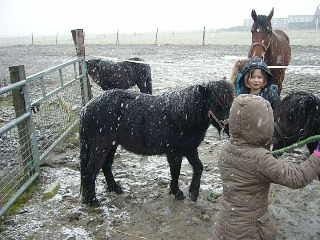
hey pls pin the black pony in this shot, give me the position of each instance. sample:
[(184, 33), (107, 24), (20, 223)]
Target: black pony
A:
[(173, 124), (123, 75), (297, 117)]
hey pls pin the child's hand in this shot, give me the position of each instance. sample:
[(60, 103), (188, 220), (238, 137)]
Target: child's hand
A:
[(317, 153), (318, 147), (317, 150)]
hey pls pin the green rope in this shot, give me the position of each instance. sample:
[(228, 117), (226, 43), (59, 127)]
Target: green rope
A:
[(297, 144)]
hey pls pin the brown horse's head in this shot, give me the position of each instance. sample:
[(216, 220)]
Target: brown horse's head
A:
[(261, 34)]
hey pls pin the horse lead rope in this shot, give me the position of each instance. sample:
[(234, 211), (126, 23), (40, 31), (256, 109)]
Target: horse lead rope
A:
[(222, 123), (296, 145)]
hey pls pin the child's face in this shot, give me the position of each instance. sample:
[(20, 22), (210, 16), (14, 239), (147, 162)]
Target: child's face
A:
[(256, 81)]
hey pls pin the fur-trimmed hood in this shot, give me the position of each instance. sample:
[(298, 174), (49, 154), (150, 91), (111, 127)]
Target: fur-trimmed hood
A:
[(251, 121)]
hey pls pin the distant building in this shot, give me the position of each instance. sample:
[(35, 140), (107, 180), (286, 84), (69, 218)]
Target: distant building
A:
[(280, 23), (293, 21), (301, 21), (317, 17)]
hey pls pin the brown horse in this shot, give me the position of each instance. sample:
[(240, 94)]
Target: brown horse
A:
[(272, 45)]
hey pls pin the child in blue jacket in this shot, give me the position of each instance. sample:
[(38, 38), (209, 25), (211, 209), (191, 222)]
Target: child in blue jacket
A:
[(256, 78)]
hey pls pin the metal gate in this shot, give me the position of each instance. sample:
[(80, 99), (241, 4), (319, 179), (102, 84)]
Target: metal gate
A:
[(41, 110)]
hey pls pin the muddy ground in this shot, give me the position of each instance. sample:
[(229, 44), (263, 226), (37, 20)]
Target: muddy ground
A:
[(146, 210)]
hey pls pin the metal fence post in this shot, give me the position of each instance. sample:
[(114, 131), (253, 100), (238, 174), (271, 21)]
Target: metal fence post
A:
[(78, 40), (21, 102)]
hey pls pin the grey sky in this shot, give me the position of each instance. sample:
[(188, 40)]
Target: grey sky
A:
[(43, 17)]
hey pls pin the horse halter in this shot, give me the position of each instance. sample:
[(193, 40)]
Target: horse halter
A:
[(261, 44), (221, 123)]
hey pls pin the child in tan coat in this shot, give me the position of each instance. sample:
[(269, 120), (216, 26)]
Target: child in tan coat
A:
[(248, 168)]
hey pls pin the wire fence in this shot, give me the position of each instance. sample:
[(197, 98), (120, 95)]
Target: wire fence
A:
[(196, 37), (16, 162)]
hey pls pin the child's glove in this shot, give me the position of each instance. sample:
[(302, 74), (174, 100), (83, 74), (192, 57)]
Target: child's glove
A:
[(317, 150), (317, 154)]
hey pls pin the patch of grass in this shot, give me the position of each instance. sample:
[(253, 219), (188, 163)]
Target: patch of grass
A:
[(51, 191), (30, 238), (213, 196), (25, 197)]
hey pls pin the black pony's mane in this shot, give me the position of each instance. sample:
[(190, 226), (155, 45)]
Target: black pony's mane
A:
[(188, 103), (184, 105)]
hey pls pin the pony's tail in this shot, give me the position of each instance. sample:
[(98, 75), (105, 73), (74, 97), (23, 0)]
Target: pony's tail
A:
[(84, 156), (148, 80)]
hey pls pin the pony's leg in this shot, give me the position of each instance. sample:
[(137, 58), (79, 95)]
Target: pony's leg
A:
[(142, 85), (175, 166), (148, 82), (92, 159), (107, 171), (197, 166), (144, 80), (89, 173)]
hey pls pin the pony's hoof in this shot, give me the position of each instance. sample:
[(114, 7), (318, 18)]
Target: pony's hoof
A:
[(193, 196), (118, 189), (115, 188), (179, 195), (92, 203)]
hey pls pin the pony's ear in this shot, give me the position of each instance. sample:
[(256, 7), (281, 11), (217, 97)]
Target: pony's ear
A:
[(312, 107), (254, 15), (270, 14), (312, 120), (203, 91)]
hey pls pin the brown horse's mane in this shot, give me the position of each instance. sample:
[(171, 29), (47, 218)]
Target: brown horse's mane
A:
[(279, 33)]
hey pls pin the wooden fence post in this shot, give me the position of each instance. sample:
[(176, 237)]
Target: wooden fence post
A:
[(78, 39), (17, 74), (156, 40), (204, 36), (117, 41)]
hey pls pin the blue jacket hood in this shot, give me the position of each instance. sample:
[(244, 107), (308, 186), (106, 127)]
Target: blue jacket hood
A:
[(254, 63)]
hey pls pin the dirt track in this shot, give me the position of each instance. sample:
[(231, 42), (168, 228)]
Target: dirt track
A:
[(146, 211)]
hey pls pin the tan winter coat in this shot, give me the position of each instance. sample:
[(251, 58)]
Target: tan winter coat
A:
[(247, 169)]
